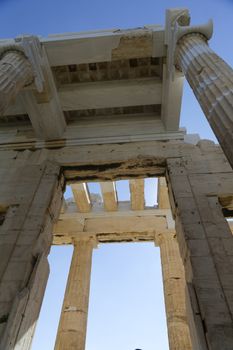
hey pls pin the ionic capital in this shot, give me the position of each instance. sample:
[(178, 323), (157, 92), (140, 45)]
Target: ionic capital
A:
[(29, 47), (177, 26), (4, 49)]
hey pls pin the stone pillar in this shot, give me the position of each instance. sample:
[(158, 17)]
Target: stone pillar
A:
[(174, 292), (15, 73), (211, 80), (206, 248), (73, 321), (33, 195)]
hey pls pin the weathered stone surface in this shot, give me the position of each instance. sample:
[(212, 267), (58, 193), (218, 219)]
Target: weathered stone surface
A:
[(73, 322), (15, 73), (202, 230), (174, 292), (26, 236), (212, 82)]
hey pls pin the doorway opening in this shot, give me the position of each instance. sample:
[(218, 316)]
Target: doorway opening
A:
[(108, 210), (126, 309)]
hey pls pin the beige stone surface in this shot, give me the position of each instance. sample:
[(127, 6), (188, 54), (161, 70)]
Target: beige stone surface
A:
[(162, 195), (82, 197), (108, 189), (137, 194), (174, 292), (73, 322)]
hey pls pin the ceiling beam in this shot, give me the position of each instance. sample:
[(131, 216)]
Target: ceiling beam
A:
[(107, 94), (82, 197), (109, 195), (162, 194), (137, 194)]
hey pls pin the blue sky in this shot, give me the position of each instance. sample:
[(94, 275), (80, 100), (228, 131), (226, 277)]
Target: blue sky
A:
[(126, 303)]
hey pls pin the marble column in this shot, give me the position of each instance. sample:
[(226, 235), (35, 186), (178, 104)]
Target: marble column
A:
[(174, 292), (211, 80), (15, 73), (73, 321)]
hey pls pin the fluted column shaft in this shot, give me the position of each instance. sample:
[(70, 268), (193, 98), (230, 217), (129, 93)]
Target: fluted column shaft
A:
[(212, 82), (174, 292), (73, 321), (15, 73)]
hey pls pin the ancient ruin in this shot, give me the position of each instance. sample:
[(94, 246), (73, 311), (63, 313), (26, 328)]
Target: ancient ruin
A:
[(102, 106)]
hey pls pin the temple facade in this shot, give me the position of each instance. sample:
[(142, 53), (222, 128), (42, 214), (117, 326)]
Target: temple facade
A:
[(103, 106)]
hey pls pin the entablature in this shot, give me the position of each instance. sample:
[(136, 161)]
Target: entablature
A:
[(110, 76)]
